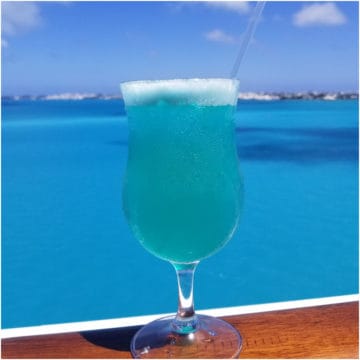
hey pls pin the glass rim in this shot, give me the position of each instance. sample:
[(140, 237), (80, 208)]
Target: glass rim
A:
[(206, 91), (150, 81)]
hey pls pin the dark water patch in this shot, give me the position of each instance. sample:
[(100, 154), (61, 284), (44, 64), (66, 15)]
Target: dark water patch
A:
[(301, 145), (343, 132)]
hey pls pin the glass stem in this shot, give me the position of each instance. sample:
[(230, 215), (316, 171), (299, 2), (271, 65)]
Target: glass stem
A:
[(185, 321)]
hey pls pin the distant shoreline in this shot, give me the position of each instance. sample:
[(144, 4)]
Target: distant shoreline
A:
[(259, 96), (311, 95)]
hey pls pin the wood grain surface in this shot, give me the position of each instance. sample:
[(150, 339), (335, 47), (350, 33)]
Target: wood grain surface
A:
[(329, 331)]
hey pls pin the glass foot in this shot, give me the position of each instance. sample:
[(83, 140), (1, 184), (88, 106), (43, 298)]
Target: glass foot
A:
[(213, 339)]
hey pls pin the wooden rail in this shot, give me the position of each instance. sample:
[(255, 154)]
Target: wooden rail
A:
[(328, 331)]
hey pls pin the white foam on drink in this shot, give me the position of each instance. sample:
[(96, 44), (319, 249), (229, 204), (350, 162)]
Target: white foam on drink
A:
[(209, 92)]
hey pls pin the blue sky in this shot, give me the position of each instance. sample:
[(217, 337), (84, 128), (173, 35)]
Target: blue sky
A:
[(55, 47)]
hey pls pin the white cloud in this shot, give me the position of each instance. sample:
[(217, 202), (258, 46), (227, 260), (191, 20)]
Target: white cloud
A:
[(319, 14), (241, 7), (18, 17), (218, 35)]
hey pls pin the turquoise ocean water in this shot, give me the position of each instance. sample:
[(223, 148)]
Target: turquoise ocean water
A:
[(68, 253)]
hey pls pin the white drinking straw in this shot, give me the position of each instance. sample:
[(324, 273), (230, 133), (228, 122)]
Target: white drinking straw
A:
[(247, 36)]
